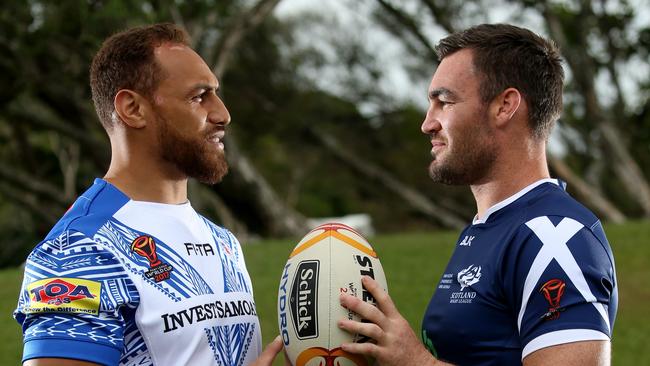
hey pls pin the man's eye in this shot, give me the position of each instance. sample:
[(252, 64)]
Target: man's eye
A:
[(444, 103), (199, 97)]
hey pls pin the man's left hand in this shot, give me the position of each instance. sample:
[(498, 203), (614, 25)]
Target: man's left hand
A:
[(395, 342)]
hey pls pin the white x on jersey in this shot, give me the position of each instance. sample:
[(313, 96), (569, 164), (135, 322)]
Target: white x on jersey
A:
[(536, 271), (126, 282)]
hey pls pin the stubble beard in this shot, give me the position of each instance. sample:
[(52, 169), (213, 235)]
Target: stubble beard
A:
[(194, 157), (470, 161)]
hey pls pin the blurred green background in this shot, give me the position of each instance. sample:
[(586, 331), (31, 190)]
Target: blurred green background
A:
[(326, 100)]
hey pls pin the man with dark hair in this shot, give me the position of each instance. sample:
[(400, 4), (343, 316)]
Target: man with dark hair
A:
[(131, 274), (532, 279)]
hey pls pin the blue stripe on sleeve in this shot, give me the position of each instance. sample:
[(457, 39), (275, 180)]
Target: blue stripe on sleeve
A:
[(70, 349)]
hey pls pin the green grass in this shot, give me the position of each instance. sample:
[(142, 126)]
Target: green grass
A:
[(413, 263)]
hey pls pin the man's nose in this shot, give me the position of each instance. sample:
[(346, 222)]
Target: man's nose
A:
[(430, 125), (218, 113)]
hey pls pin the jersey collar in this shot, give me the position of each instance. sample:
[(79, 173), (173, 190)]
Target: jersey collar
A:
[(512, 199)]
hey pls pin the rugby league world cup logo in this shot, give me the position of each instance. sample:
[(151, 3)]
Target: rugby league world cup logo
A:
[(553, 291), (145, 246)]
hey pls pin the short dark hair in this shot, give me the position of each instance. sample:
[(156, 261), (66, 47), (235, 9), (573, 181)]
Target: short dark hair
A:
[(126, 60), (509, 56)]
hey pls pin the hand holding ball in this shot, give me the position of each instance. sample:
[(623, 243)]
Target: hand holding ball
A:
[(328, 261)]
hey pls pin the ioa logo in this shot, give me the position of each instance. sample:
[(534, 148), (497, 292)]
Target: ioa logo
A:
[(304, 300), (64, 295)]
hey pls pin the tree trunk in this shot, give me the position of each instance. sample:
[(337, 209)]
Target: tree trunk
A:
[(281, 219), (412, 197), (603, 207), (584, 71), (236, 32), (204, 198)]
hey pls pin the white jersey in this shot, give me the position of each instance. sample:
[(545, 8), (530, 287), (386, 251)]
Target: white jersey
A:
[(123, 282)]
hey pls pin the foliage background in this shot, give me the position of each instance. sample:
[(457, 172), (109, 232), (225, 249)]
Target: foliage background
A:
[(322, 126)]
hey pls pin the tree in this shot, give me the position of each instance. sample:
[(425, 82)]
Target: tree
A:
[(573, 25)]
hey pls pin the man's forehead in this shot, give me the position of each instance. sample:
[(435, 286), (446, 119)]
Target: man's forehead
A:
[(168, 46), (454, 71), (182, 63)]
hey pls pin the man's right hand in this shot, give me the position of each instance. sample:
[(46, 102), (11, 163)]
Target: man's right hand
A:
[(270, 352)]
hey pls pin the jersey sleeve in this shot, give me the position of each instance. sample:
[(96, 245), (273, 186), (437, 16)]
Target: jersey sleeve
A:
[(561, 276), (71, 302)]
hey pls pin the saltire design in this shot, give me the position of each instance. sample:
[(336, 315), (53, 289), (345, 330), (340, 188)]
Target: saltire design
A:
[(554, 239)]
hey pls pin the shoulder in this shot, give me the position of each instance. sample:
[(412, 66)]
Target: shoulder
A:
[(553, 201), (219, 231), (90, 211), (554, 216)]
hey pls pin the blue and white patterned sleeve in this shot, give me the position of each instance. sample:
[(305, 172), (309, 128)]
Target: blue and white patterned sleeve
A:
[(72, 301)]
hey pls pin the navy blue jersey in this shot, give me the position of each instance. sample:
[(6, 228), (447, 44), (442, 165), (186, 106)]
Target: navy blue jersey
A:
[(536, 271)]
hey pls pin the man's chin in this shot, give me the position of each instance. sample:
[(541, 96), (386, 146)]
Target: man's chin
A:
[(213, 177), (442, 174)]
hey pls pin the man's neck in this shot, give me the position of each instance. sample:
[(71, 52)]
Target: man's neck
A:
[(506, 180), (146, 184)]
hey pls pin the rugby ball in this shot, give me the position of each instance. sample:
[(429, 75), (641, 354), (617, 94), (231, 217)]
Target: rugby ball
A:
[(328, 261)]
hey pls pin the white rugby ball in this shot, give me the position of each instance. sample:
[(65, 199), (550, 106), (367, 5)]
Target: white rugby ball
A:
[(328, 261)]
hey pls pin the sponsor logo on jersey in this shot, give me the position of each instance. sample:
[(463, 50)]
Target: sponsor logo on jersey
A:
[(65, 295), (202, 249), (467, 241), (304, 299), (212, 310), (330, 357), (145, 246), (553, 291)]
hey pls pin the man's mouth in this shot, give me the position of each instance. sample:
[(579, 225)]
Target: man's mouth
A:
[(217, 139), (437, 145)]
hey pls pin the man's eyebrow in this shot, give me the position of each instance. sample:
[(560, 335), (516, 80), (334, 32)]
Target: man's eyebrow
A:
[(435, 93), (206, 87)]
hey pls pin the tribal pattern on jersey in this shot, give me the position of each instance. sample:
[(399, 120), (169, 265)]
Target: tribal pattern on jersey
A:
[(184, 282), (82, 327), (230, 343), (135, 349), (104, 284), (63, 260), (233, 279)]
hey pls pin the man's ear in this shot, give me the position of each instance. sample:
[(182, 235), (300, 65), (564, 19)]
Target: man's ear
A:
[(131, 108), (506, 105)]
